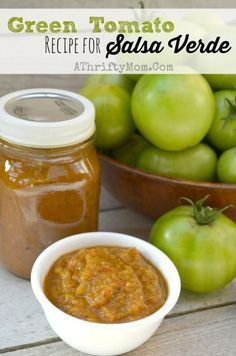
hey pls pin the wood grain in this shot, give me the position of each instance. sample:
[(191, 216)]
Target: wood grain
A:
[(210, 333), (155, 195), (107, 201)]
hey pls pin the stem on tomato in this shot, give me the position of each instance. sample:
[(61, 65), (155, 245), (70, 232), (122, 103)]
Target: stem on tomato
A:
[(204, 215), (232, 111)]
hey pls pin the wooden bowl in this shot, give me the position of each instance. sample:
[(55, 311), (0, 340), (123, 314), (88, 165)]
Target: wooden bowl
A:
[(154, 195)]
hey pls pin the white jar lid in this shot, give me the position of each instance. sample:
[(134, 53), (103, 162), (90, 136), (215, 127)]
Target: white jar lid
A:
[(46, 118)]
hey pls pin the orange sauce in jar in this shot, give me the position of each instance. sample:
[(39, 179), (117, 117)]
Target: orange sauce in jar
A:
[(45, 193)]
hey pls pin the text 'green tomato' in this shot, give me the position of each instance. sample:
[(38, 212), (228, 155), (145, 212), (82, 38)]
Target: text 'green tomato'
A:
[(195, 163), (204, 254), (114, 123), (173, 111)]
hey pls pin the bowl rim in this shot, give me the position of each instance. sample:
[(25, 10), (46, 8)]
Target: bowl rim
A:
[(170, 302), (162, 179)]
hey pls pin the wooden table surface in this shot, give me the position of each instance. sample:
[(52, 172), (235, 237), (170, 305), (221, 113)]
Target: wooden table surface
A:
[(199, 325)]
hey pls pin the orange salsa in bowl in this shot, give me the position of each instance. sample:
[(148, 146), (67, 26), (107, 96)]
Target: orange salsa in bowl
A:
[(105, 284)]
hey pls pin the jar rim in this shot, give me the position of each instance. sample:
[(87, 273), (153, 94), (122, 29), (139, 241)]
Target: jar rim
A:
[(47, 134)]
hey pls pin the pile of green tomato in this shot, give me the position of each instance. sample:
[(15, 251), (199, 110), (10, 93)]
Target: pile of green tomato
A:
[(173, 125), (176, 126)]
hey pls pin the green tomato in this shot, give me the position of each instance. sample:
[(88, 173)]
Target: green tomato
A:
[(221, 81), (114, 123), (173, 111), (222, 133), (134, 77), (202, 244), (195, 163), (226, 167), (131, 150), (120, 80)]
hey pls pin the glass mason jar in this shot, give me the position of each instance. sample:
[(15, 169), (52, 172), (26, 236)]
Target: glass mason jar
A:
[(49, 173)]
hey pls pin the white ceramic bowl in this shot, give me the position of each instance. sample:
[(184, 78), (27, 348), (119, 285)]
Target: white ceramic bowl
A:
[(98, 338)]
